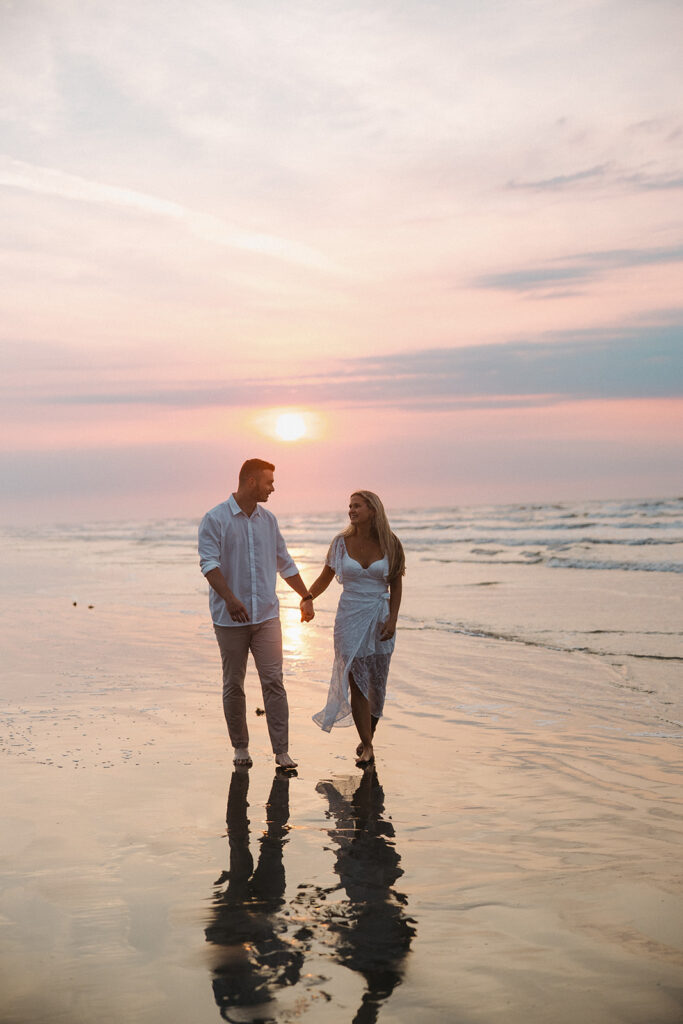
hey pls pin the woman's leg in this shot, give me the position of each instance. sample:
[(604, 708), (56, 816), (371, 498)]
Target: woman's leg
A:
[(360, 709), (373, 726)]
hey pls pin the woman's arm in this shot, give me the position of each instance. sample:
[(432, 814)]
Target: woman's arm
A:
[(395, 594), (323, 581), (321, 584)]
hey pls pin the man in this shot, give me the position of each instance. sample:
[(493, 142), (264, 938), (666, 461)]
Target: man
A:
[(241, 550)]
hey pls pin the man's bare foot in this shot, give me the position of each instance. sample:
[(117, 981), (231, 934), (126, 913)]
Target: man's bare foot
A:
[(284, 761), (242, 758)]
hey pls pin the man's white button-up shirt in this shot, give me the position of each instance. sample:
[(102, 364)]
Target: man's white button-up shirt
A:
[(249, 551)]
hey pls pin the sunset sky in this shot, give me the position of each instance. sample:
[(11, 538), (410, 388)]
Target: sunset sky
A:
[(449, 233)]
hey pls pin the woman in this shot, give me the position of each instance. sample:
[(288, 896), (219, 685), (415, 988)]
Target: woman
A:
[(368, 560)]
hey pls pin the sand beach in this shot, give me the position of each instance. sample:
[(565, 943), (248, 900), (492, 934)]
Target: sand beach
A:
[(514, 856)]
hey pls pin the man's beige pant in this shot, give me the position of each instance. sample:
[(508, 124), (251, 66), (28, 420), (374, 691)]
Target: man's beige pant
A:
[(264, 640)]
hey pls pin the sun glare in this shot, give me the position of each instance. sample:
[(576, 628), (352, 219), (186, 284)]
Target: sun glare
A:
[(290, 426)]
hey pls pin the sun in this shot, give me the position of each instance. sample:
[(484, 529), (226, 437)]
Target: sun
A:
[(290, 426)]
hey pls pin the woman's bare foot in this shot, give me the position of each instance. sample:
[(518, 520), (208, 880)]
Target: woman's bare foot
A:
[(365, 757)]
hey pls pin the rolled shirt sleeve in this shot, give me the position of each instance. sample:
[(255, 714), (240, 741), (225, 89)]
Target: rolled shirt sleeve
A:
[(209, 544)]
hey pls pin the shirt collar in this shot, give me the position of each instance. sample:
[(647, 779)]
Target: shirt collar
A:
[(237, 511)]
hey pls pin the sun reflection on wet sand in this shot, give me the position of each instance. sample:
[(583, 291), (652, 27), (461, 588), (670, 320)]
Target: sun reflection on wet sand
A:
[(297, 637)]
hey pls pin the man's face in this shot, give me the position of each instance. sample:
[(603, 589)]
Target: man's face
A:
[(264, 485)]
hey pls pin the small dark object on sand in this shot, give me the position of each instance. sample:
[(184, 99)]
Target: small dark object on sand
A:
[(260, 711)]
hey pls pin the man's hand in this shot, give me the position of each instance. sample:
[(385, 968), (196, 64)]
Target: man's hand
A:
[(236, 610), (307, 612)]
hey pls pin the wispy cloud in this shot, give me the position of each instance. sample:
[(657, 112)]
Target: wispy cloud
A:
[(604, 175), (532, 278), (48, 181), (643, 362), (568, 365), (562, 181), (578, 269), (654, 182)]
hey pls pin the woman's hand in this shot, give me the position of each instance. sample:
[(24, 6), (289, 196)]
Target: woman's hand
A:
[(307, 612), (387, 629)]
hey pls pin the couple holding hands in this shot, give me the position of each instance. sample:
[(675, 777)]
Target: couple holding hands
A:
[(241, 551)]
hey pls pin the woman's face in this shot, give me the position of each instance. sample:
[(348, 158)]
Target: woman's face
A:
[(360, 512)]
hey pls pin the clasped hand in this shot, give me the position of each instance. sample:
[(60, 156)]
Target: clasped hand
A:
[(307, 612)]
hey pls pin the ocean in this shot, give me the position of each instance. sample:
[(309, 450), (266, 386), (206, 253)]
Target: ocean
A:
[(601, 578)]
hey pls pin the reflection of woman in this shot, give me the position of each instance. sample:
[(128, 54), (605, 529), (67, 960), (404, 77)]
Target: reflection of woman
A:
[(368, 560), (371, 931)]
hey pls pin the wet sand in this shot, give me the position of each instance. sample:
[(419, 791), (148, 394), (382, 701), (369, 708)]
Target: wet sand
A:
[(514, 857)]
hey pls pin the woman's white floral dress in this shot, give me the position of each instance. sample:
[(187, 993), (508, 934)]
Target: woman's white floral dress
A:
[(358, 650)]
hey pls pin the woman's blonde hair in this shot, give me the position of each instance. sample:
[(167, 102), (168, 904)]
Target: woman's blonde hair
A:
[(388, 541)]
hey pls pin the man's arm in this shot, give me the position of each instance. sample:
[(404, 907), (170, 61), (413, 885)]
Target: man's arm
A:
[(209, 563), (236, 610), (287, 569)]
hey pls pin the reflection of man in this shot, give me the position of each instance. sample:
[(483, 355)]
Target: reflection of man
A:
[(241, 551), (254, 954)]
